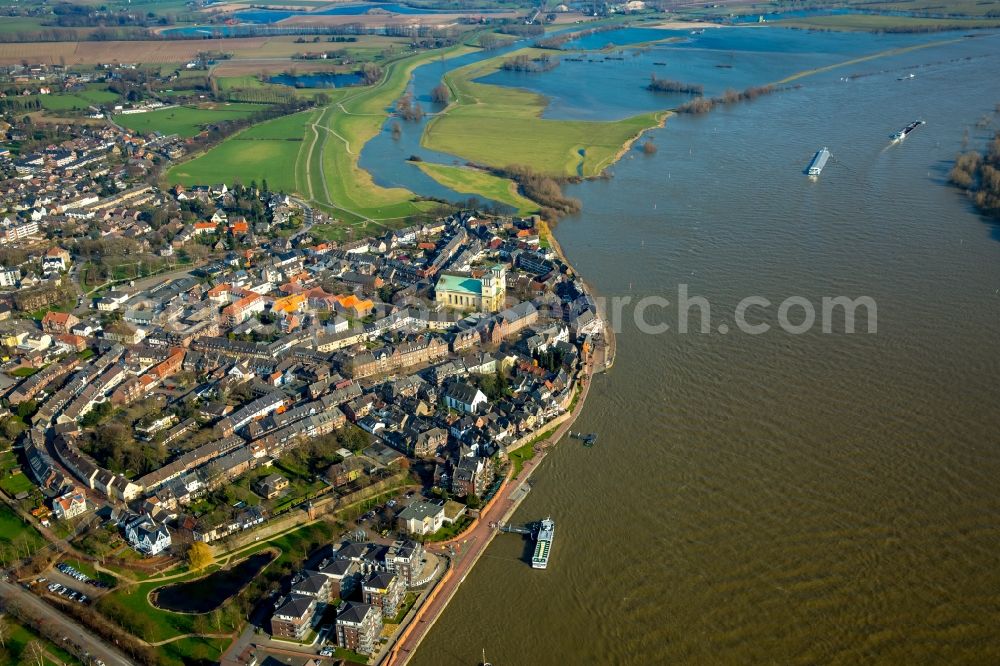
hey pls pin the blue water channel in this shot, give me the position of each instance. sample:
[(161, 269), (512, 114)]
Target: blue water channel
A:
[(318, 80), (611, 84)]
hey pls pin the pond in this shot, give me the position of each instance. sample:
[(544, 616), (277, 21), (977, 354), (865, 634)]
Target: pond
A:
[(319, 80), (205, 594)]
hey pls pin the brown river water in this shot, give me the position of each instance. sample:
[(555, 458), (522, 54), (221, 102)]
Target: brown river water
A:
[(777, 498)]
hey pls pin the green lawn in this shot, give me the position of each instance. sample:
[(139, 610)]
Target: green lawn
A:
[(15, 650), (16, 483), (94, 95), (24, 372), (500, 126), (13, 480), (476, 181), (187, 121), (16, 535), (130, 604), (524, 453), (267, 150), (450, 531)]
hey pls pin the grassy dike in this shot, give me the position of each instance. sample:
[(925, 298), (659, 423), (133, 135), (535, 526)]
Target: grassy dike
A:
[(476, 181), (315, 153), (498, 126)]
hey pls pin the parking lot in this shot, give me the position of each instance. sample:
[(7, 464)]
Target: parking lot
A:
[(72, 580)]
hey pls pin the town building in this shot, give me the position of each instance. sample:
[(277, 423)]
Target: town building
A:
[(293, 616), (483, 294), (421, 518), (384, 590), (358, 627)]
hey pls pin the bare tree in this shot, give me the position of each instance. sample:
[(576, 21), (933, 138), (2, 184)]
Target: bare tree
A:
[(36, 652)]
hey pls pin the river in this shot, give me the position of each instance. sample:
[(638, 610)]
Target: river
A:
[(778, 498)]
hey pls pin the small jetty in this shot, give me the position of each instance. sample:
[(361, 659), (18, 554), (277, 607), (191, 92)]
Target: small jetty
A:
[(588, 438), (540, 532), (516, 529)]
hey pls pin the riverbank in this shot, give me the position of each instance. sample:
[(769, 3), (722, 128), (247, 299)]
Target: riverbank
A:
[(472, 544), (499, 126)]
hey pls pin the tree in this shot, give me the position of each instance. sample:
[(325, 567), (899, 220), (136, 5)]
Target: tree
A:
[(12, 428), (440, 94), (488, 41), (3, 631), (36, 652), (199, 555)]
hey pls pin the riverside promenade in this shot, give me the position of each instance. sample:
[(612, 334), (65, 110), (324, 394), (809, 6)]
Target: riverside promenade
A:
[(471, 544)]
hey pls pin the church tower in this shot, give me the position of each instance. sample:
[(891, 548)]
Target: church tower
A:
[(494, 288)]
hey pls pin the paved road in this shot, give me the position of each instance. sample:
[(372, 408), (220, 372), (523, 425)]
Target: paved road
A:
[(308, 217), (35, 607)]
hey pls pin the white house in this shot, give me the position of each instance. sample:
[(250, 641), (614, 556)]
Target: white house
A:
[(421, 518), (464, 397), (9, 278), (146, 536), (70, 505)]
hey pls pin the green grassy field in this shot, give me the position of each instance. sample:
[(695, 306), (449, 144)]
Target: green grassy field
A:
[(268, 150), (17, 535), (499, 126), (15, 24), (16, 646), (475, 181), (315, 154), (12, 479), (94, 95), (347, 127), (186, 121), (131, 602)]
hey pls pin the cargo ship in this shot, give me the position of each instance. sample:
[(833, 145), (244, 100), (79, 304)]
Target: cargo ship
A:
[(543, 544), (901, 134), (818, 162)]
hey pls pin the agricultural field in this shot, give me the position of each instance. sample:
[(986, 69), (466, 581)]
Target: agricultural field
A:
[(180, 50), (475, 181), (94, 95), (875, 23), (14, 24), (187, 121), (499, 126)]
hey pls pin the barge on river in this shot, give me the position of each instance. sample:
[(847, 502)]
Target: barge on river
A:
[(818, 162), (902, 134)]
